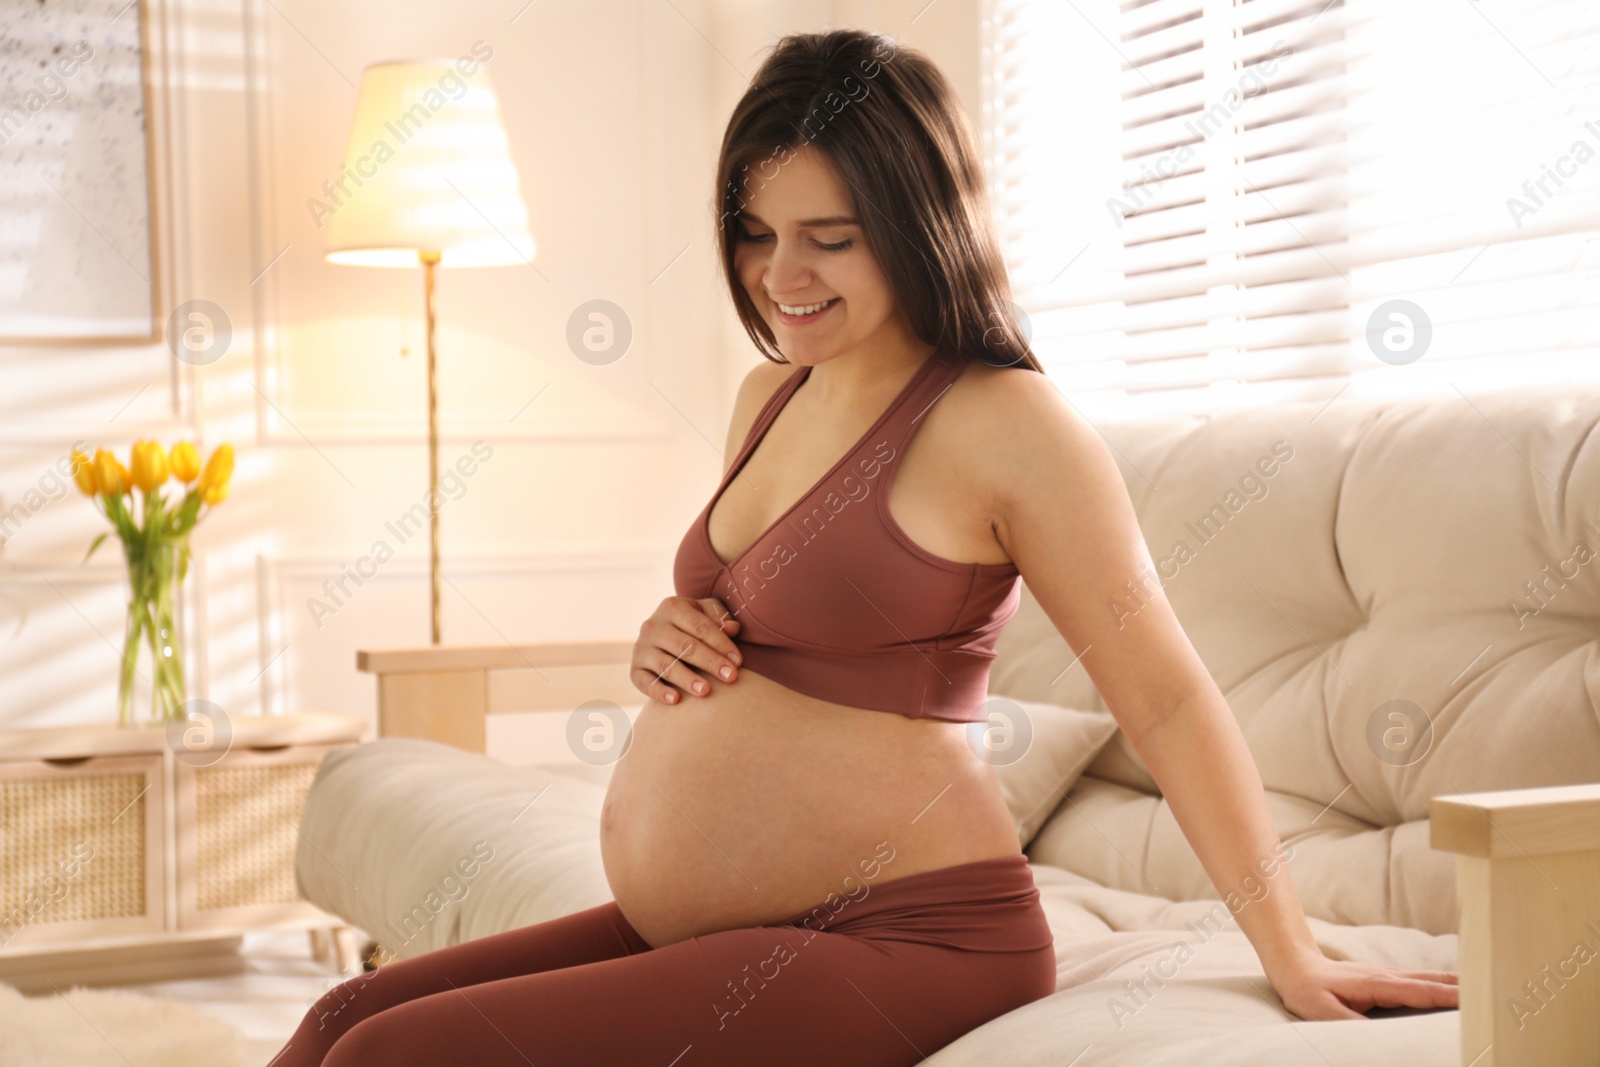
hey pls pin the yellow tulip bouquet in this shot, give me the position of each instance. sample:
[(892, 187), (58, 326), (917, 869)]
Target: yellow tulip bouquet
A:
[(157, 551)]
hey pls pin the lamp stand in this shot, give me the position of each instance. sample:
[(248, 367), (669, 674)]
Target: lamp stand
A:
[(429, 261)]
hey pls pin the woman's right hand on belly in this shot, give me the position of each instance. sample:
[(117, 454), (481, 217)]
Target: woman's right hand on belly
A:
[(682, 634)]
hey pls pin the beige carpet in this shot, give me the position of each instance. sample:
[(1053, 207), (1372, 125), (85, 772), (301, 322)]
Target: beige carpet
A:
[(113, 1028)]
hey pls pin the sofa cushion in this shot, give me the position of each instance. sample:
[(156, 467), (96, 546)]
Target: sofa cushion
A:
[(424, 845), (1038, 751), (1398, 601), (1140, 980)]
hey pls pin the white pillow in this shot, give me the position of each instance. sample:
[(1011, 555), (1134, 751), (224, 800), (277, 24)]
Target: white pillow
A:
[(1038, 751)]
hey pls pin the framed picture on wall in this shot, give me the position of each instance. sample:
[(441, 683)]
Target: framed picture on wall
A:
[(79, 251)]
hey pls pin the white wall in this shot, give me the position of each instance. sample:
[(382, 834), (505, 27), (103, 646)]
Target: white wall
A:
[(614, 112)]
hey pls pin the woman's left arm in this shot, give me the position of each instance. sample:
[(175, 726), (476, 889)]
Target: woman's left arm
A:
[(1063, 514)]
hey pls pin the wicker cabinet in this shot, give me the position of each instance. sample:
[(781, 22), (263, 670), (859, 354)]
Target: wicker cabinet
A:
[(80, 848), (124, 857)]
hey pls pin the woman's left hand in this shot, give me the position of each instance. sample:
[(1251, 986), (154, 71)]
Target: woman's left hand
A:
[(1317, 988)]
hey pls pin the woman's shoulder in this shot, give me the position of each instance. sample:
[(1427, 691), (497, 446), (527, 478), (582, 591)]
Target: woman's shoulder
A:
[(760, 384), (1005, 416), (989, 397)]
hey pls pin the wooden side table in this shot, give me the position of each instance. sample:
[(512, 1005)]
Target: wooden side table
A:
[(138, 853)]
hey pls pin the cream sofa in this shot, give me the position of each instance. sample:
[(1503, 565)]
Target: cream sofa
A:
[(1401, 604)]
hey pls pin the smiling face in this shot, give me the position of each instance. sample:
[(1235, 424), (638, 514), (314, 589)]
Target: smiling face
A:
[(798, 244)]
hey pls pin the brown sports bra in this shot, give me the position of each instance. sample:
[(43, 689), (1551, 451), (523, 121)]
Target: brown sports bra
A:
[(835, 601)]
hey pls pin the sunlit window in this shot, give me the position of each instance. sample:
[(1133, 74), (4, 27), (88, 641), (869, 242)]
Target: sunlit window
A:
[(1212, 205)]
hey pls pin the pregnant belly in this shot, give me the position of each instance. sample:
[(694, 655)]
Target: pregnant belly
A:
[(746, 806)]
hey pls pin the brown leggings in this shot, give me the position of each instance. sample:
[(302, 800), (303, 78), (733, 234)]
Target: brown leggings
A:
[(883, 976)]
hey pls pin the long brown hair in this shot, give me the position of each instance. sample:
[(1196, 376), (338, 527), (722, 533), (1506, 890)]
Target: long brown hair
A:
[(888, 121)]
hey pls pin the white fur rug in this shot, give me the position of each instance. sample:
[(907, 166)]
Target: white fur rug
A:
[(113, 1028)]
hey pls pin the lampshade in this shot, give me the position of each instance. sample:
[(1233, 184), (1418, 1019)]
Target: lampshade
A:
[(426, 169)]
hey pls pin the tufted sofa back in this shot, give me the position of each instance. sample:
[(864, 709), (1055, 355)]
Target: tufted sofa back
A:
[(1398, 600)]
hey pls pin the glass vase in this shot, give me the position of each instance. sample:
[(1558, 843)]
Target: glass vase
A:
[(155, 577)]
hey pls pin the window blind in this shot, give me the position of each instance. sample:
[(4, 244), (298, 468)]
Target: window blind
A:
[(1208, 204)]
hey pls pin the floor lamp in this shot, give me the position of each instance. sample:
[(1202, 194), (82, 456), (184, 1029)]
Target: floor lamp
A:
[(427, 181)]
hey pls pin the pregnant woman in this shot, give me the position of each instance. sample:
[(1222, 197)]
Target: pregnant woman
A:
[(811, 863)]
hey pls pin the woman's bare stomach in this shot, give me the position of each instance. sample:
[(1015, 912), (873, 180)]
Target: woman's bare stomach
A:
[(745, 806)]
